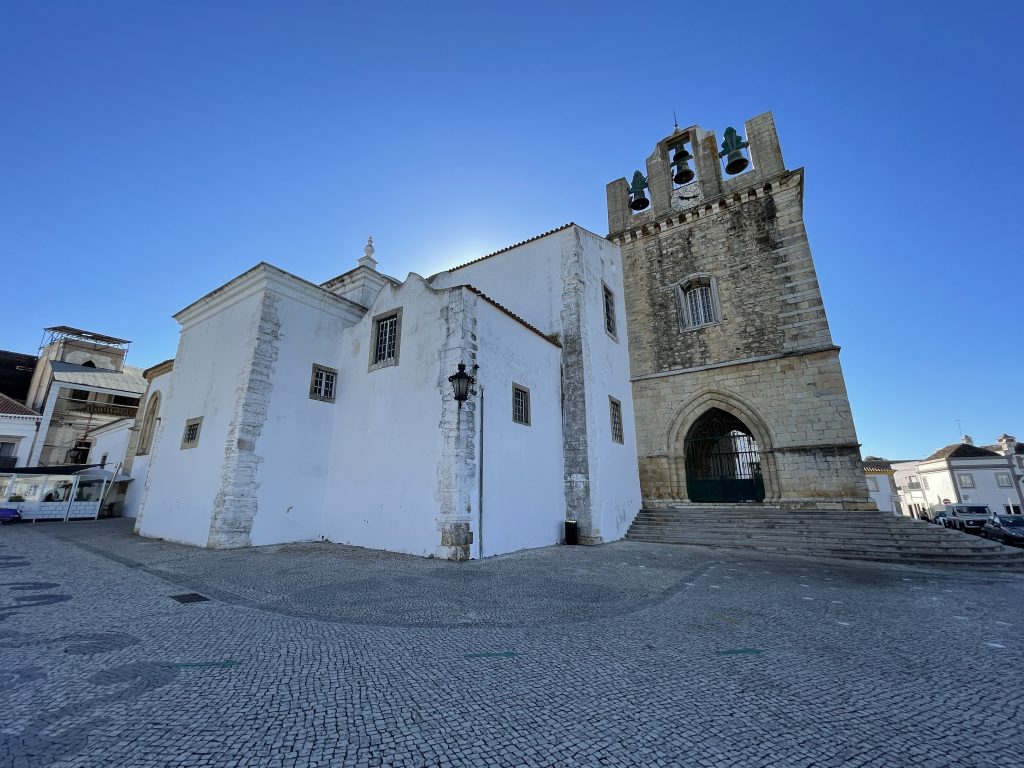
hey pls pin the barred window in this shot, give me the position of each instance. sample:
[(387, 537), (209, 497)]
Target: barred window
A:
[(190, 438), (615, 408), (1003, 480), (965, 479), (520, 405), (697, 301), (323, 383), (609, 312), (386, 342)]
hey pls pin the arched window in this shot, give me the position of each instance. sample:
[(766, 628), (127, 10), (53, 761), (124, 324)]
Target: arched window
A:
[(88, 364), (697, 301), (149, 424)]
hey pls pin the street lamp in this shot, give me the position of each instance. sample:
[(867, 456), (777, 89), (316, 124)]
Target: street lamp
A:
[(461, 383)]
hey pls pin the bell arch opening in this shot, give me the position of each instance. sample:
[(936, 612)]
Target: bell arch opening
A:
[(722, 460)]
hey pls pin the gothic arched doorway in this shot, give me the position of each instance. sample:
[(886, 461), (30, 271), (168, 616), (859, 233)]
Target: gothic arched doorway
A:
[(722, 462)]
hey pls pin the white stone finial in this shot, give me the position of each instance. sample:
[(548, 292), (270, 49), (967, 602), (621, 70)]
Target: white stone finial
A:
[(368, 260)]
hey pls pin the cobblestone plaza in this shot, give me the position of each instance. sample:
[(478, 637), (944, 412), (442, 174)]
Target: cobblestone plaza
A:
[(624, 654)]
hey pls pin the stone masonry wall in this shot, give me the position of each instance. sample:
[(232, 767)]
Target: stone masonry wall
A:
[(768, 358), (797, 408), (457, 468), (235, 505)]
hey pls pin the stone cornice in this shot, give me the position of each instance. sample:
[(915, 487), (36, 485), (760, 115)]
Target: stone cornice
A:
[(731, 363), (713, 207)]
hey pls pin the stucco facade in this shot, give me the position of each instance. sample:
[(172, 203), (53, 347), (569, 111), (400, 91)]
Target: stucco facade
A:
[(726, 322), (389, 459)]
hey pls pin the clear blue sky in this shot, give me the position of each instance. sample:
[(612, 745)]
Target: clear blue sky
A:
[(151, 151)]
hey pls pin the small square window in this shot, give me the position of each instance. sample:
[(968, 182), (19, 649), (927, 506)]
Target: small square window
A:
[(520, 405), (966, 479), (609, 313), (615, 410), (386, 340), (1003, 480), (323, 383), (190, 438), (924, 482), (872, 483)]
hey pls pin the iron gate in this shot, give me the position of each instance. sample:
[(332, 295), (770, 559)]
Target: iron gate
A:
[(722, 461)]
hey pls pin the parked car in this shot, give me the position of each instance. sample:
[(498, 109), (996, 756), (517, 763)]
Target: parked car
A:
[(969, 518), (9, 515), (1008, 529)]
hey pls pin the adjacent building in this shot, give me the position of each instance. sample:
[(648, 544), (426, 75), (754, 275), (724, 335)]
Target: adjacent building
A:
[(879, 475), (962, 473)]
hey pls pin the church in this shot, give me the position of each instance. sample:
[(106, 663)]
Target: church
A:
[(683, 359)]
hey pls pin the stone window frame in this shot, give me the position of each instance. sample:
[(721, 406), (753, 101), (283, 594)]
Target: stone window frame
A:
[(924, 482), (375, 329), (330, 376), (965, 479), (186, 442), (527, 410), (1007, 484), (608, 303), (615, 420), (683, 288), (872, 483), (149, 419)]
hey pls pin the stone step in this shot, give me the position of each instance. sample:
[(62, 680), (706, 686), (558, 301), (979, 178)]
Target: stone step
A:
[(937, 556), (860, 534), (977, 545)]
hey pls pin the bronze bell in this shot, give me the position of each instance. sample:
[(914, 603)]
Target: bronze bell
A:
[(637, 199), (732, 149), (736, 162), (681, 165)]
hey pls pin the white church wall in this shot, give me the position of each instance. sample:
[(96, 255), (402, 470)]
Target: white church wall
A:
[(383, 490), (614, 475), (183, 482), (526, 279), (294, 444), (141, 462), (523, 489)]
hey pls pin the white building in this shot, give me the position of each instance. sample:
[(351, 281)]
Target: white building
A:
[(294, 411), (961, 473), (19, 426), (881, 484)]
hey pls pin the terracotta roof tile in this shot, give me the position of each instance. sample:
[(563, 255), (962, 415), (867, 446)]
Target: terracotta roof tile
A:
[(13, 407)]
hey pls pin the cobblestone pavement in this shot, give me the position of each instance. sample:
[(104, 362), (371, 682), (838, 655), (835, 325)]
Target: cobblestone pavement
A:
[(627, 654)]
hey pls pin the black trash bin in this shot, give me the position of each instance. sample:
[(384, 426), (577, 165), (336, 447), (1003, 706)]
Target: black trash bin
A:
[(572, 532)]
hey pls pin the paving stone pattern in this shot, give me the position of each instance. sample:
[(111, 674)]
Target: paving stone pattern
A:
[(628, 654)]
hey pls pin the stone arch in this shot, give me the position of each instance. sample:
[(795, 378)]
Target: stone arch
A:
[(693, 410), (149, 424)]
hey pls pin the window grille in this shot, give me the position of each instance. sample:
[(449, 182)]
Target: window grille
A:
[(387, 335), (1003, 480), (323, 383), (520, 405), (609, 311), (190, 438), (616, 415), (966, 479), (698, 301)]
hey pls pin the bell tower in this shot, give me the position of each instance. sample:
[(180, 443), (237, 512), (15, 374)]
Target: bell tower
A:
[(737, 388)]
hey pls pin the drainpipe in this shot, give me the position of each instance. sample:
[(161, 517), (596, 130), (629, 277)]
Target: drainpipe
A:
[(480, 485)]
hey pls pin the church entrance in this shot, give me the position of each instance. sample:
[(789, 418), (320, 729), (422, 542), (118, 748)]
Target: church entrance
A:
[(722, 462)]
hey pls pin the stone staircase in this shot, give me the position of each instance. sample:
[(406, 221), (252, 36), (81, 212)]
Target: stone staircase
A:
[(856, 535)]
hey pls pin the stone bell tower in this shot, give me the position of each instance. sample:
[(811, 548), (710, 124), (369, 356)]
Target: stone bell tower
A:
[(737, 388)]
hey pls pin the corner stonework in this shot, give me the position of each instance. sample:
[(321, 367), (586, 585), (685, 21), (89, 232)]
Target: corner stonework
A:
[(235, 505)]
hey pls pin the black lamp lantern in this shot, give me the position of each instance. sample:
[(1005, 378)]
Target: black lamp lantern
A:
[(461, 383)]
